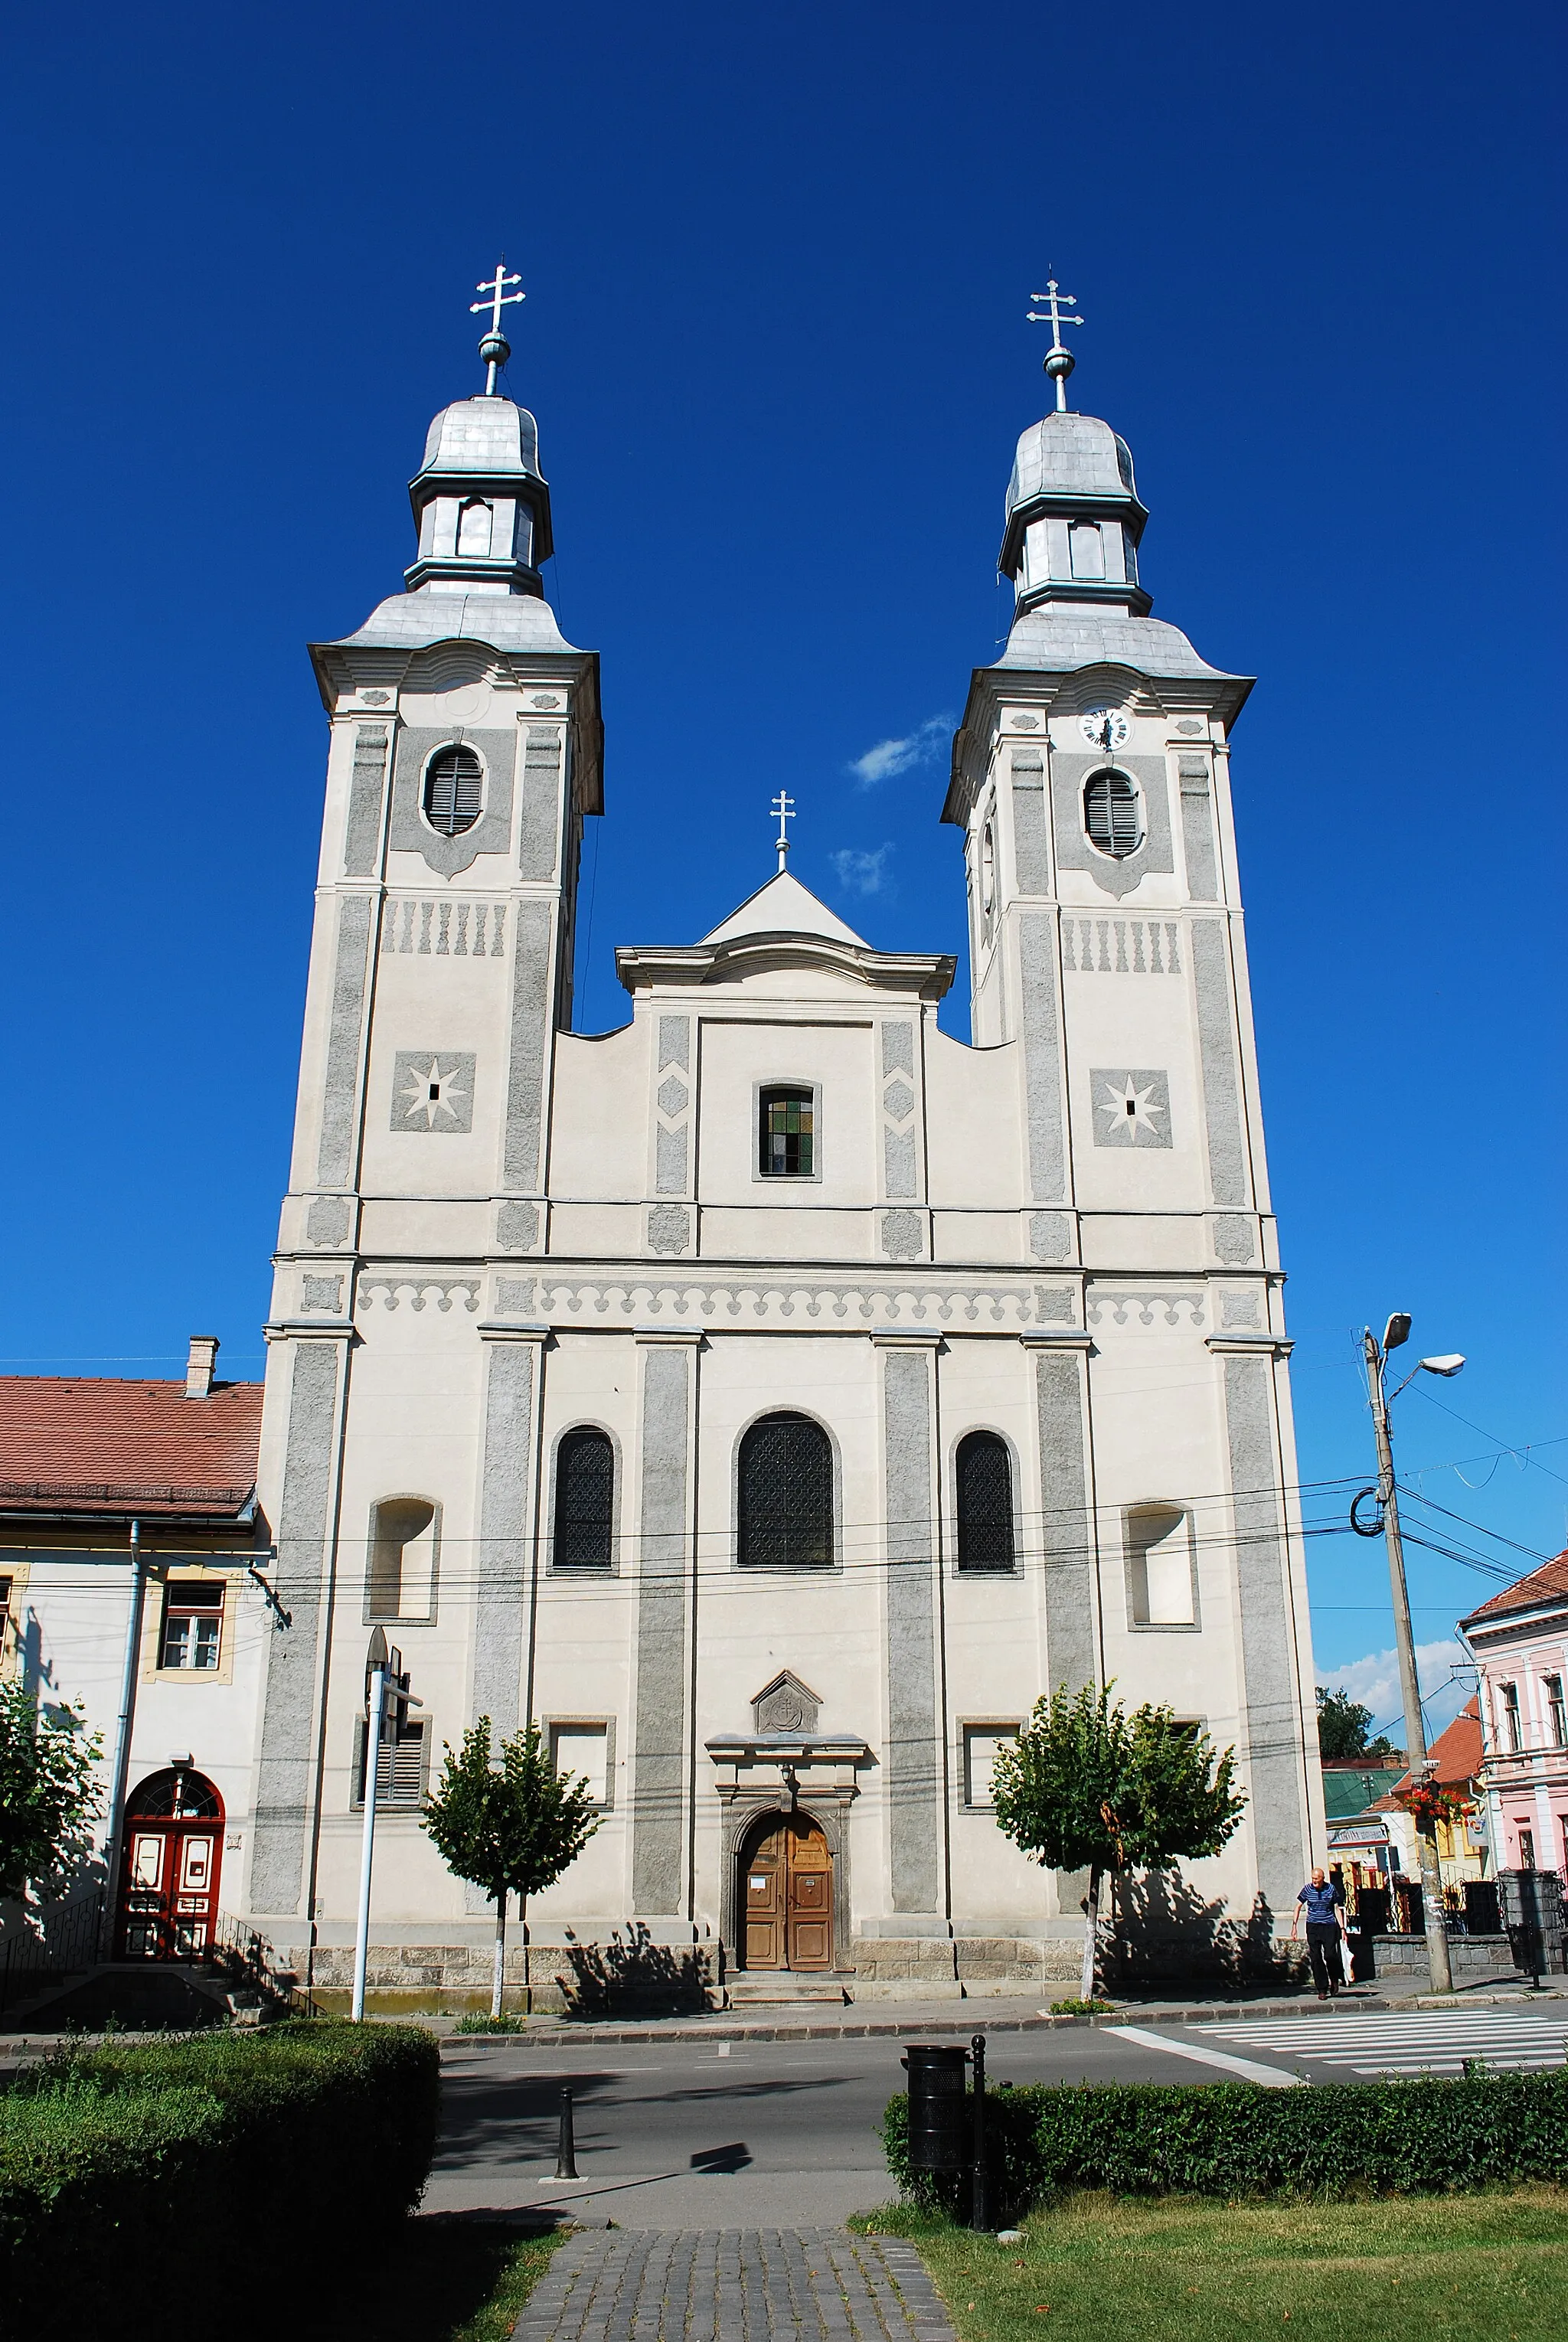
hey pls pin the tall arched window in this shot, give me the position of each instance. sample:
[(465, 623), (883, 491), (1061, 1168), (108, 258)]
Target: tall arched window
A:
[(453, 791), (785, 1494), (584, 1501), (984, 1490), (1111, 814)]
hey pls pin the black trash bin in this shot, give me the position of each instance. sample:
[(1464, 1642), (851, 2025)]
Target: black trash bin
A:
[(939, 2119)]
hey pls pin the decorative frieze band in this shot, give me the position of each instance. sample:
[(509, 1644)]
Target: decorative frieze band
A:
[(779, 1300), (1121, 946), (424, 925)]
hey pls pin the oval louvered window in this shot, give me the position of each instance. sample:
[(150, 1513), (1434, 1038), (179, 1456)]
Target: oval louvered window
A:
[(453, 791), (584, 1501), (785, 1494), (1112, 815), (985, 1477)]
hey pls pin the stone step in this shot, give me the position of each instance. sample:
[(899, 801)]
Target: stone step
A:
[(778, 1989)]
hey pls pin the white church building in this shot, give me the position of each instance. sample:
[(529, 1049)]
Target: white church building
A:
[(774, 1396)]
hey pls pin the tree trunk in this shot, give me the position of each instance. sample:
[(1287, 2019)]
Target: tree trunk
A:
[(499, 1973), (528, 1963), (1091, 1934)]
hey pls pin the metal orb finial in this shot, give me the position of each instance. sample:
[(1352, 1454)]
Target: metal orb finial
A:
[(495, 349), (1059, 358)]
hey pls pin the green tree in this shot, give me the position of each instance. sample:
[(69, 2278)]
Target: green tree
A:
[(1341, 1725), (48, 1790), (1085, 1787), (510, 1825)]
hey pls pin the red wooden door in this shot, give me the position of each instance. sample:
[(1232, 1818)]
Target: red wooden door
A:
[(169, 1875)]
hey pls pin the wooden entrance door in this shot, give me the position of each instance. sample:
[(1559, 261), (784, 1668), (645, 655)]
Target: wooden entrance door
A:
[(169, 1877), (786, 1880)]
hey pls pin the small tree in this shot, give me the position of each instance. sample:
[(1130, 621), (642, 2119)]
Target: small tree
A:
[(509, 1827), (1342, 1727), (1086, 1787), (48, 1790)]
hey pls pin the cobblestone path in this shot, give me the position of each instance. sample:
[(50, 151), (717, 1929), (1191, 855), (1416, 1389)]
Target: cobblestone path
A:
[(733, 2285)]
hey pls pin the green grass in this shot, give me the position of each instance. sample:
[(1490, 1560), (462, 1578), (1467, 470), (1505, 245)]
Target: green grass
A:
[(438, 2281), (1434, 2268)]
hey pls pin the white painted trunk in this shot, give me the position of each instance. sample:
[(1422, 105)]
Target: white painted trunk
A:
[(1091, 1935), (498, 1974)]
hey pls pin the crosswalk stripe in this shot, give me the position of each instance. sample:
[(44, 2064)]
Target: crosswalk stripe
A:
[(1434, 2043)]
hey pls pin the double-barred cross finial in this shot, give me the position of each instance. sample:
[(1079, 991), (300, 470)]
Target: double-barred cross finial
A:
[(1059, 360)]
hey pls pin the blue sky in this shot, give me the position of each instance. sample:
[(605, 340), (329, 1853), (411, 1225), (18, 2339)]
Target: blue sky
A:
[(778, 263)]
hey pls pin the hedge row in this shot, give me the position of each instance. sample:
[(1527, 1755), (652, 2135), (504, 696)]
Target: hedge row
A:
[(1239, 2138), (225, 2156)]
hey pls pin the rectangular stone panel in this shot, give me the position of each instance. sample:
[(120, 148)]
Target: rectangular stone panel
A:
[(660, 1732), (914, 1806)]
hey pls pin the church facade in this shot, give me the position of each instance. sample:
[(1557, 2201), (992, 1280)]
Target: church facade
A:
[(774, 1396)]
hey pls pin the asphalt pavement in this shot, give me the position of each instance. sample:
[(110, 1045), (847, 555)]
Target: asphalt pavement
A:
[(772, 2134)]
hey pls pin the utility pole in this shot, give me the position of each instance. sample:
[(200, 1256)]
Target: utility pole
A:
[(375, 1709), (120, 1771), (1398, 1331)]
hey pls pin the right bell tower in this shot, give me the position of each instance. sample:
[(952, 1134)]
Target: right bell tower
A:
[(1091, 779)]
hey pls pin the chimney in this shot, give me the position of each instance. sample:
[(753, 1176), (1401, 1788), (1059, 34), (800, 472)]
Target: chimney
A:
[(199, 1366)]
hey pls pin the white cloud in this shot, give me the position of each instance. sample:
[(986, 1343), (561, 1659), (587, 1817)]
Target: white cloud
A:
[(1374, 1682), (862, 873), (890, 757)]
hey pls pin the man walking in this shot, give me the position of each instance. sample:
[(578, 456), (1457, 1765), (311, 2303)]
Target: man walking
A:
[(1322, 1905)]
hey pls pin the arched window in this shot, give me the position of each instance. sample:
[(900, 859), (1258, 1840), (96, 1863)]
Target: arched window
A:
[(785, 1494), (475, 525), (786, 1135), (453, 791), (584, 1501), (1111, 814), (402, 1575), (984, 1490)]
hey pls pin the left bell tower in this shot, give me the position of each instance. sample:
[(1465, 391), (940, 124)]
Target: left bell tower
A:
[(464, 755)]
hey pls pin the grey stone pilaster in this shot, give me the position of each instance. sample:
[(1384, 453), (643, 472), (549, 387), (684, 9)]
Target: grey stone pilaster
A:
[(366, 787), (1067, 1528), (1272, 1727), (663, 1577), (1039, 1021), (340, 1088), (913, 1731), (505, 1551), (1031, 825), (1217, 1052), (288, 1733), (531, 1012), (1198, 829)]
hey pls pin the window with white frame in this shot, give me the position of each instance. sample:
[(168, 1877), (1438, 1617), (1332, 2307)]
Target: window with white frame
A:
[(1508, 1695), (982, 1742), (192, 1628), (1556, 1712)]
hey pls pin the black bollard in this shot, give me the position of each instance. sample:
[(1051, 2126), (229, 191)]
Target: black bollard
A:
[(566, 2149), (979, 2199)]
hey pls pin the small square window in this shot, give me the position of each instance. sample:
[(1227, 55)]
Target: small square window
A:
[(192, 1624), (786, 1135), (400, 1772)]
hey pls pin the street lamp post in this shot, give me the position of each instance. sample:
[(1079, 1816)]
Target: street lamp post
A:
[(1397, 1332)]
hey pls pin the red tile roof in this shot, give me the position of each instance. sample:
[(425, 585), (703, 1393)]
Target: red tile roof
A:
[(1544, 1584), (92, 1446), (1455, 1756)]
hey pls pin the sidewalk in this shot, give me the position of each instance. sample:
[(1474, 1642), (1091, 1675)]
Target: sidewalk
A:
[(946, 2019), (734, 2285)]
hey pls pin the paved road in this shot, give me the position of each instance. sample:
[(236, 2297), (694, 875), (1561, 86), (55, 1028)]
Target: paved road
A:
[(753, 2134), (700, 2134)]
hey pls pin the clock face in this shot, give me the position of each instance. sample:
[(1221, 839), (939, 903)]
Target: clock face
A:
[(1106, 727)]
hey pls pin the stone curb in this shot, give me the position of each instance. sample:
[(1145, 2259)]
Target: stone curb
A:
[(720, 2028)]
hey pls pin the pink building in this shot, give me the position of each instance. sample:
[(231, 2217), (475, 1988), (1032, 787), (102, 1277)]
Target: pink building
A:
[(1520, 1641)]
